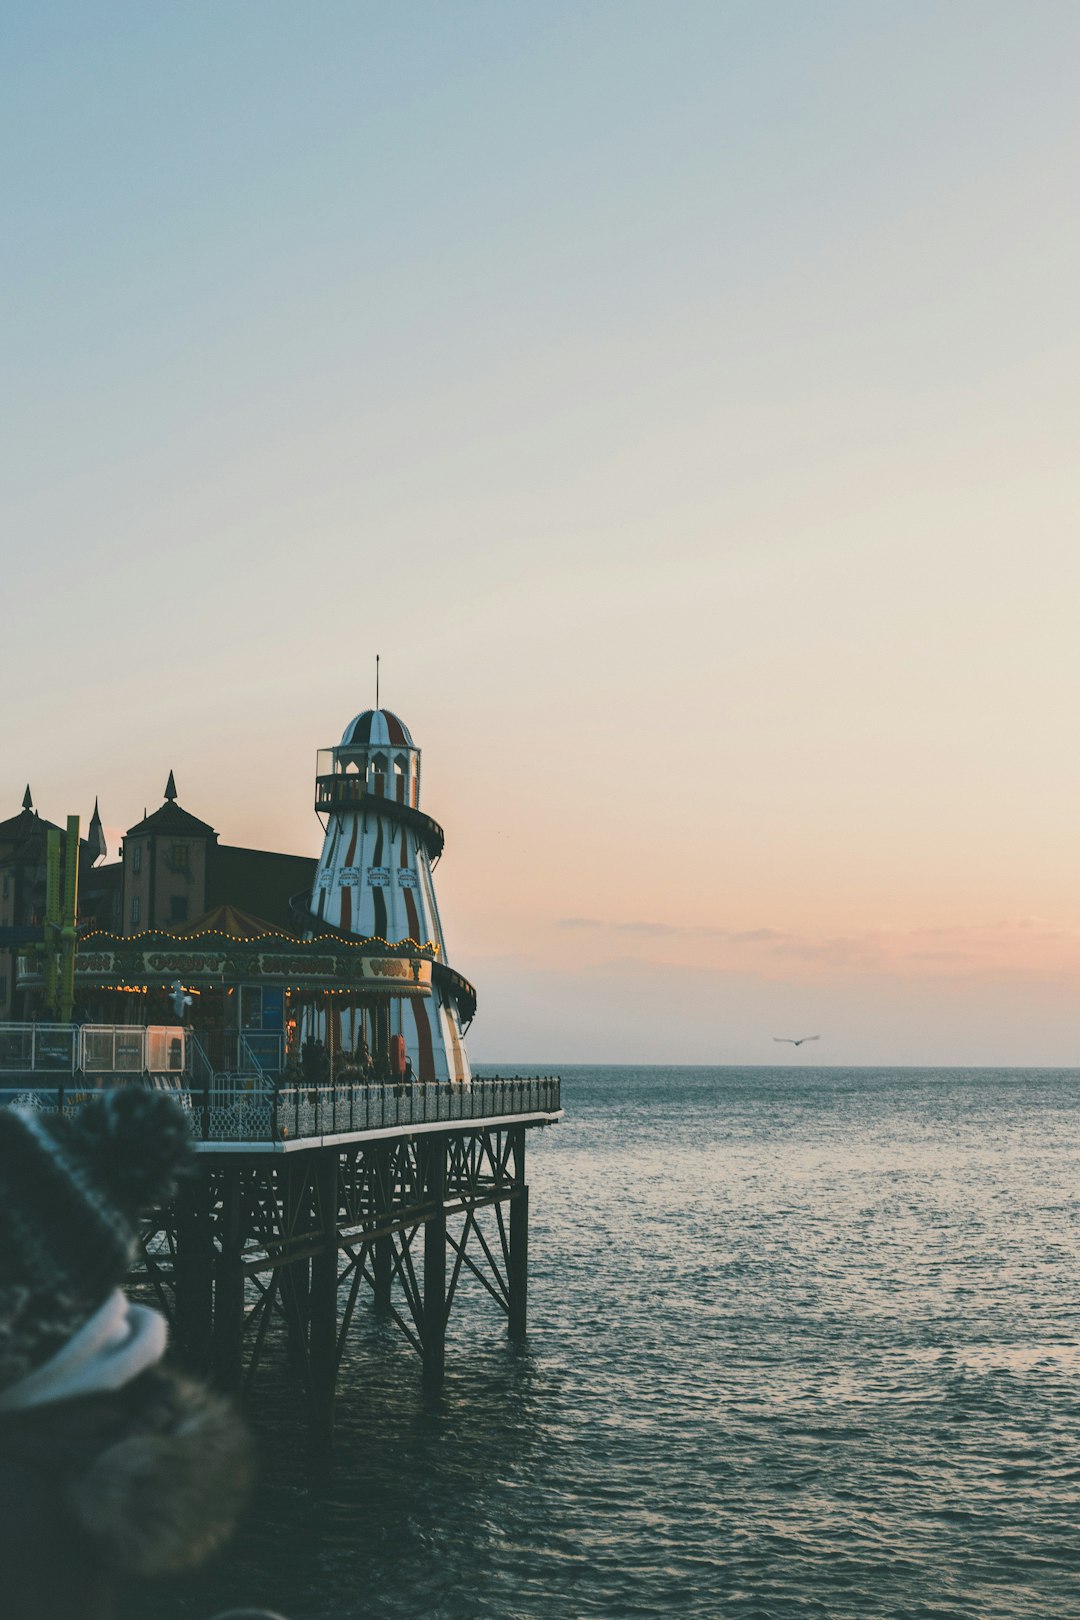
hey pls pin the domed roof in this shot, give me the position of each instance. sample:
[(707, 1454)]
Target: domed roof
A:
[(376, 728)]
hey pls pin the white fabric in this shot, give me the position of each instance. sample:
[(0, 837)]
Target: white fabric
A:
[(111, 1348)]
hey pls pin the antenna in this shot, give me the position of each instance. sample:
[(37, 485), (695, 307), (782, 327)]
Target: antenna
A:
[(376, 680)]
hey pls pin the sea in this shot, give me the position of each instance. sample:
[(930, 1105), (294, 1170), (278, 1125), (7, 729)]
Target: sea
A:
[(802, 1342)]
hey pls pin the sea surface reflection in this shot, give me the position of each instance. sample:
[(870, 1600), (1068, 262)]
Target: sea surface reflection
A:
[(802, 1342)]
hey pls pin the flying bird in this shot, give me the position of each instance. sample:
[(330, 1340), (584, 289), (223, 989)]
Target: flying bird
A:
[(180, 1000), (789, 1040)]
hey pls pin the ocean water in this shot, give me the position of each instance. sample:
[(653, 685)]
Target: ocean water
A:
[(802, 1342)]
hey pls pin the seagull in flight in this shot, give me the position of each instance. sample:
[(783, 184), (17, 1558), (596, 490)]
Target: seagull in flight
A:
[(789, 1040)]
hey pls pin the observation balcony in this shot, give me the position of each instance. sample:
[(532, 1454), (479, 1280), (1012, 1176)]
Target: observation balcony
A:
[(344, 791)]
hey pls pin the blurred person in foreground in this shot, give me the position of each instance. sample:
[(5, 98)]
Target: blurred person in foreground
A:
[(113, 1467)]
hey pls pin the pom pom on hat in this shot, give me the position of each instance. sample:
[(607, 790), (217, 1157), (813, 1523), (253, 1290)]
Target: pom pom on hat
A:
[(70, 1193), (138, 1143)]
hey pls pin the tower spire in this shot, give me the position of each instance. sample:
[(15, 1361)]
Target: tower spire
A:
[(95, 837), (376, 684), (170, 788), (27, 801)]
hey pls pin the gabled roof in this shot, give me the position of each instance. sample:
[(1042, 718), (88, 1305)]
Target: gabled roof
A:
[(24, 827), (172, 819)]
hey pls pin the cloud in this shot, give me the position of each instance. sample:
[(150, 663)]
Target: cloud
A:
[(667, 930), (1028, 946)]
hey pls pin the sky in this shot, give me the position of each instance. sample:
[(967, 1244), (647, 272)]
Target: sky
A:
[(682, 399)]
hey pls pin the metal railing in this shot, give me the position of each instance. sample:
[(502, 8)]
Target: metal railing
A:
[(68, 1094), (260, 1052), (236, 1112), (294, 1112), (202, 1070)]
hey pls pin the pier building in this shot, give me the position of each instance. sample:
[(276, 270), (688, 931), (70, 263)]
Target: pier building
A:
[(304, 1014)]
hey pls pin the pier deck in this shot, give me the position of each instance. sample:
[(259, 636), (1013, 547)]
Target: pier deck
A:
[(308, 1198)]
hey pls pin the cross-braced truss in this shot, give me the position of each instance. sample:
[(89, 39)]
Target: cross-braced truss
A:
[(260, 1251)]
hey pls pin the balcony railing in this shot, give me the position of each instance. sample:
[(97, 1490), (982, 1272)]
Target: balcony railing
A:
[(296, 1113), (348, 792)]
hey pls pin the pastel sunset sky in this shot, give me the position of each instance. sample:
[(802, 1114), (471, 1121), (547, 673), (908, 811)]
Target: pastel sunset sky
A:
[(681, 398)]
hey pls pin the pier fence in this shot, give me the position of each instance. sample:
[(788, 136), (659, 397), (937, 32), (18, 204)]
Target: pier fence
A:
[(237, 1111)]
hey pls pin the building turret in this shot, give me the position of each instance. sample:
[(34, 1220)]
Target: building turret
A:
[(96, 847), (374, 882), (166, 858)]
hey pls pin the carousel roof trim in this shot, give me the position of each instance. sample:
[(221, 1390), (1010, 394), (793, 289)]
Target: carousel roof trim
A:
[(318, 945)]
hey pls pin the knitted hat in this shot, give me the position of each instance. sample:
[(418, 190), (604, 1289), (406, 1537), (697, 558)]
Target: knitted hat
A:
[(71, 1190)]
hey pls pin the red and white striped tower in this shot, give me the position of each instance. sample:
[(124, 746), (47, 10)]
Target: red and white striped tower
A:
[(374, 882)]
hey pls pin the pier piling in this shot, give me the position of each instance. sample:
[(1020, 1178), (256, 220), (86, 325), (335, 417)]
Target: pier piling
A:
[(323, 1325), (382, 1247), (194, 1265), (228, 1323), (434, 1315), (518, 1268)]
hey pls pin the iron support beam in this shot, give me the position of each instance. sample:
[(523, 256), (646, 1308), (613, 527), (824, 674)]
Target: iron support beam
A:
[(518, 1268), (194, 1274), (323, 1317), (383, 1247), (296, 1271), (228, 1341), (434, 1313)]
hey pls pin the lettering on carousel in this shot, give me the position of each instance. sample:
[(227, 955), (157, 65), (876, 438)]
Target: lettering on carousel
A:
[(408, 973), (392, 967), (297, 967), (183, 961), (94, 962), (378, 877)]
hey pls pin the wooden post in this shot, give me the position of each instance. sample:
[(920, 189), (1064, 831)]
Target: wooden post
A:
[(194, 1273), (323, 1325), (434, 1315), (518, 1278), (228, 1342)]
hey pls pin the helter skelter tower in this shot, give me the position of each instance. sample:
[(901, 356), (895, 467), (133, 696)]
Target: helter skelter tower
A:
[(374, 884)]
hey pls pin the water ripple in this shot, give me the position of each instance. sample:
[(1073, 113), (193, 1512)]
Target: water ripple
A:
[(802, 1343)]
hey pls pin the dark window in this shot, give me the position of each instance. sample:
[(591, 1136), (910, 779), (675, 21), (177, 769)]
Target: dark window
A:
[(178, 908), (136, 909), (179, 857), (7, 885), (136, 859)]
